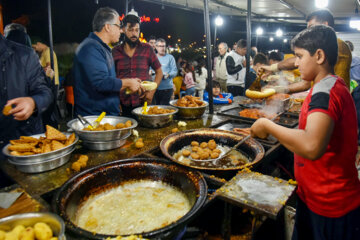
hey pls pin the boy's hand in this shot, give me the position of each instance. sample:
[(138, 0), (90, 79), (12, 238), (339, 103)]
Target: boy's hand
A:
[(258, 128)]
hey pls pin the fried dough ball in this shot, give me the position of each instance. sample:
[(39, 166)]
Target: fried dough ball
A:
[(195, 156), (214, 155), (186, 153), (108, 126), (28, 234), (216, 151), (194, 143), (207, 150), (204, 155), (203, 145), (120, 125), (42, 231), (195, 149), (139, 144), (15, 233), (174, 130), (212, 144), (128, 123)]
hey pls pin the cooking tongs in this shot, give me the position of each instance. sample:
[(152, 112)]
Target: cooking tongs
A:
[(256, 85), (84, 121)]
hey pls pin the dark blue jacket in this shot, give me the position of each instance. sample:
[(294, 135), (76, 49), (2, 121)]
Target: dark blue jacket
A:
[(21, 76), (96, 88)]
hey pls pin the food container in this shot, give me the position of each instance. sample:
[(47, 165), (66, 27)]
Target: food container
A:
[(103, 178), (103, 140), (106, 145), (30, 219), (189, 112), (176, 141), (42, 156), (155, 120), (41, 162)]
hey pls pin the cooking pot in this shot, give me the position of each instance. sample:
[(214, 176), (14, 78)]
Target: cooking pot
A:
[(106, 176)]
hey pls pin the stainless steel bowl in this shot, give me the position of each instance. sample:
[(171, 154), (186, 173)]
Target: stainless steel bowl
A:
[(155, 120), (106, 145), (30, 219), (190, 112), (102, 136), (36, 158), (44, 165)]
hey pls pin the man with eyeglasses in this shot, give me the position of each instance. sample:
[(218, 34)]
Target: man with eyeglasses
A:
[(96, 88), (133, 59), (220, 66), (168, 66)]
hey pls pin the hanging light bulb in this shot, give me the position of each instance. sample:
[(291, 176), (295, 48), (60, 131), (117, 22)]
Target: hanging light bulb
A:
[(259, 31)]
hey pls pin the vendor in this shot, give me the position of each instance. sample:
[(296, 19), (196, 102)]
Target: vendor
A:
[(219, 98), (324, 145)]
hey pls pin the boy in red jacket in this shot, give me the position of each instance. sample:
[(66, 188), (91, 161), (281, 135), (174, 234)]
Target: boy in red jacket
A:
[(324, 146)]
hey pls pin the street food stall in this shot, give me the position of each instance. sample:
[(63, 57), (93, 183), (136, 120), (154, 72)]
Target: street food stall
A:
[(175, 159)]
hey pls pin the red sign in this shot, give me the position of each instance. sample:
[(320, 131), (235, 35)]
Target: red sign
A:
[(143, 19)]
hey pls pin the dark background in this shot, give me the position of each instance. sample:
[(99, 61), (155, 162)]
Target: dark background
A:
[(72, 22)]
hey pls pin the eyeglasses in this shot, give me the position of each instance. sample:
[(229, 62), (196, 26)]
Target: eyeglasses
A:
[(115, 24)]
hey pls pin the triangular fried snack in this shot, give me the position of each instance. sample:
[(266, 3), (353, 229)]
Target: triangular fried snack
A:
[(54, 134), (55, 145), (70, 139)]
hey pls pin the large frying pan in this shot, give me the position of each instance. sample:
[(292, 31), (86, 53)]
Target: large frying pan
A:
[(176, 141), (105, 176)]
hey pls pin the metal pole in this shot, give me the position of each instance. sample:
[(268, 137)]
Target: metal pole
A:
[(208, 55), (248, 44), (50, 36), (126, 7), (215, 37)]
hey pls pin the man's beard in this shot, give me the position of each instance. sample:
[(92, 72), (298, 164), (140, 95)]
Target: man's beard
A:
[(130, 42)]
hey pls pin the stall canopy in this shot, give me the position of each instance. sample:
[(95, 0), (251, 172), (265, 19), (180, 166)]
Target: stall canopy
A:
[(290, 11)]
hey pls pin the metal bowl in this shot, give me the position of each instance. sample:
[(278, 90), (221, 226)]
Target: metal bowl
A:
[(190, 112), (155, 120), (30, 219), (106, 145), (44, 165), (37, 158), (102, 136)]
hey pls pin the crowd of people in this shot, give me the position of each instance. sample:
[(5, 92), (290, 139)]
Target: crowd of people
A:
[(108, 77)]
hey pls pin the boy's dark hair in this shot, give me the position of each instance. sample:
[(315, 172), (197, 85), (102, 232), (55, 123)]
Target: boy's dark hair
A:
[(260, 58), (132, 19), (276, 56), (241, 43), (152, 37), (215, 84), (322, 15), (318, 37)]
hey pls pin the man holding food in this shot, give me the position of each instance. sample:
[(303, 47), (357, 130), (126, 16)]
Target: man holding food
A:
[(96, 88), (133, 59)]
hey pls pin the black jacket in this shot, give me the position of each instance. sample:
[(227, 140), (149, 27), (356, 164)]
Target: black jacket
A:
[(21, 75)]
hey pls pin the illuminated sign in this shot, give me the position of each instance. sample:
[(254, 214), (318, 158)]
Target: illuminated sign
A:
[(143, 18)]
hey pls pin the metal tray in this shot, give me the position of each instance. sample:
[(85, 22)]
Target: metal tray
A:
[(230, 124), (286, 119)]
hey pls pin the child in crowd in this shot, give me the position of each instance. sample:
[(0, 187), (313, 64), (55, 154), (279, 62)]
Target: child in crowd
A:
[(201, 76), (219, 98), (324, 145), (189, 79)]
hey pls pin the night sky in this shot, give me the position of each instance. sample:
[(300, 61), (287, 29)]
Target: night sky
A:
[(72, 22)]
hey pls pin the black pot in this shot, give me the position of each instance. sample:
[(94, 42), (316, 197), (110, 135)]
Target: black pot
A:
[(109, 175)]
